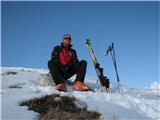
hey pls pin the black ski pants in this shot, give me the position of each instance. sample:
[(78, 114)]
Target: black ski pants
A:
[(62, 74)]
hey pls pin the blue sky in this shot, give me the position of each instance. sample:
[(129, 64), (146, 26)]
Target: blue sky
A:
[(30, 30)]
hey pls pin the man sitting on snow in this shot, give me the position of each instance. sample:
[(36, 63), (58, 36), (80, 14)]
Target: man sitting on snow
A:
[(64, 64)]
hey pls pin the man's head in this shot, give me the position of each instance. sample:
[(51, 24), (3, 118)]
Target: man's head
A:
[(66, 39)]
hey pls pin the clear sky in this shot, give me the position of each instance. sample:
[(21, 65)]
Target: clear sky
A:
[(30, 30)]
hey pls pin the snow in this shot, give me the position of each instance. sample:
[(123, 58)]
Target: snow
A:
[(155, 85), (133, 103)]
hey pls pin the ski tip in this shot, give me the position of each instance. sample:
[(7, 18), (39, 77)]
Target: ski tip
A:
[(87, 40)]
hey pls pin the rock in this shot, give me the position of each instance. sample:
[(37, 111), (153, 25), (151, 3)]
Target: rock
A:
[(80, 104), (45, 80), (17, 85), (57, 99), (9, 73)]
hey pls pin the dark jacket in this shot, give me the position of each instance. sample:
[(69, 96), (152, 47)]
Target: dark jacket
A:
[(56, 59)]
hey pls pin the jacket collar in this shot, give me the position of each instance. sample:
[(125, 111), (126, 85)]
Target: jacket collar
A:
[(68, 47)]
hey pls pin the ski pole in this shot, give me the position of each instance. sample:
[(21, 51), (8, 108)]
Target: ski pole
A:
[(112, 51), (115, 63)]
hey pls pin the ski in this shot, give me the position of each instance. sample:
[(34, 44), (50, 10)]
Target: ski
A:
[(99, 71)]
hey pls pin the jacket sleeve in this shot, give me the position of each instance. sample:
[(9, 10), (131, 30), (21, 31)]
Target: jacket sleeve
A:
[(75, 56), (55, 57)]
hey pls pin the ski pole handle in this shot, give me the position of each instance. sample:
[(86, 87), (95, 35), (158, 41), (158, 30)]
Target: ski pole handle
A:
[(112, 45)]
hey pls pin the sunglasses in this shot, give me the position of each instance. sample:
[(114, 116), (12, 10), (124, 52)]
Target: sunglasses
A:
[(67, 38)]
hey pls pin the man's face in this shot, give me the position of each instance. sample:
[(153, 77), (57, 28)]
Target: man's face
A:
[(66, 41)]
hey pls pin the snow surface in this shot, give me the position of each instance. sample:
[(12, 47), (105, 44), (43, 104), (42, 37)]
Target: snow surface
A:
[(155, 85), (133, 103)]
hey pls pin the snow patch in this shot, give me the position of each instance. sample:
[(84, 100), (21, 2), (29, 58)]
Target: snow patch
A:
[(133, 103), (155, 85)]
